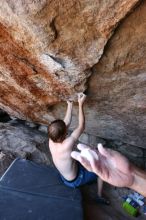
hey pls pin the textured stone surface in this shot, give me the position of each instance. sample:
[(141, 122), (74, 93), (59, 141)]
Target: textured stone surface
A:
[(117, 89), (47, 48), (6, 159), (19, 140)]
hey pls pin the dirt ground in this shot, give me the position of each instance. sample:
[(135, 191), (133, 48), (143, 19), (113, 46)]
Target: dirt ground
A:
[(114, 211)]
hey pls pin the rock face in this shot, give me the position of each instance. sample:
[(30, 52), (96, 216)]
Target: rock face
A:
[(20, 140), (118, 85), (47, 53), (116, 104), (47, 48)]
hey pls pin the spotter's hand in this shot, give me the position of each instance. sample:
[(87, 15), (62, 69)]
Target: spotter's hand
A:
[(109, 165)]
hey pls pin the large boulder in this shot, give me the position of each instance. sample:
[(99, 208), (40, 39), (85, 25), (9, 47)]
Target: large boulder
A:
[(116, 102), (117, 87), (47, 49), (20, 140)]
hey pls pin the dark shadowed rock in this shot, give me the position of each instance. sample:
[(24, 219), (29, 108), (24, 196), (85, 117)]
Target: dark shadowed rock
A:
[(25, 142)]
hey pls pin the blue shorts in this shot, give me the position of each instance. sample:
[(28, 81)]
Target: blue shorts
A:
[(83, 177)]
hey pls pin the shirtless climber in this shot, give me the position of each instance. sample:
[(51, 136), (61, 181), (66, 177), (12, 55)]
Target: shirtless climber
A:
[(61, 146)]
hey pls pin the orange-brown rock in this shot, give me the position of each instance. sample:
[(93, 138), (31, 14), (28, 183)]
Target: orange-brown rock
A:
[(26, 88), (48, 49)]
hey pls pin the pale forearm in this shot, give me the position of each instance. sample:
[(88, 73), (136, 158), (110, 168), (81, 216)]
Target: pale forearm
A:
[(68, 116), (139, 183), (78, 131), (81, 117)]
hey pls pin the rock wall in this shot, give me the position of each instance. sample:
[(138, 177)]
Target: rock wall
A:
[(116, 102), (48, 50), (21, 140), (118, 85)]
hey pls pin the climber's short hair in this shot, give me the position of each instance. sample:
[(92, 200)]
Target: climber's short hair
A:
[(57, 131)]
